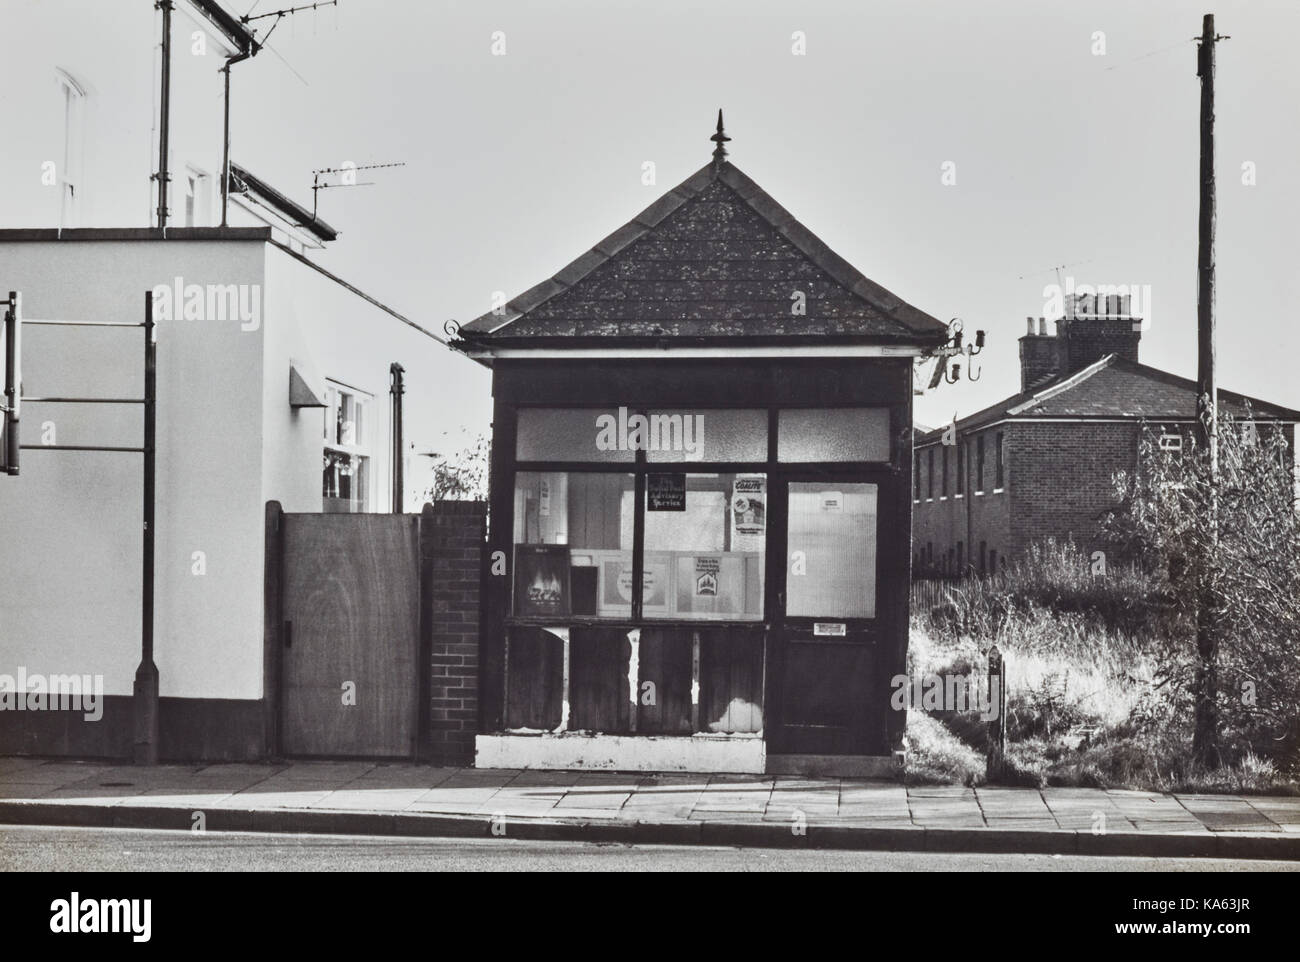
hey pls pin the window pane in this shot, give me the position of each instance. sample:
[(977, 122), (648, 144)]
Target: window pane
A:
[(573, 545), (345, 482), (571, 434), (843, 434), (705, 533), (832, 546), (706, 435)]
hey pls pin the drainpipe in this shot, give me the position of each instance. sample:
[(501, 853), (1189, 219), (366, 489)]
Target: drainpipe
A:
[(396, 388), (225, 138), (164, 109)]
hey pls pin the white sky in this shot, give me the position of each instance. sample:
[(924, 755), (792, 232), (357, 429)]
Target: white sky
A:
[(516, 164)]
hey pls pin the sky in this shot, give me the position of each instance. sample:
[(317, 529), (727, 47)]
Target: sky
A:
[(1072, 130)]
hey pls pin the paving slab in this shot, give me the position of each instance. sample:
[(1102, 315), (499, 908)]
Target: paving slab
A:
[(413, 799)]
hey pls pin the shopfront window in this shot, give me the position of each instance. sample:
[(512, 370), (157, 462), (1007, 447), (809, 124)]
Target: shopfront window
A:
[(705, 537), (573, 544)]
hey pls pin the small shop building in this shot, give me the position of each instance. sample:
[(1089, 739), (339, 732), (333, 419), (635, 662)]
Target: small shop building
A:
[(712, 405)]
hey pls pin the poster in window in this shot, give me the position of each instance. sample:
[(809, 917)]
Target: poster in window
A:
[(706, 577), (748, 513), (666, 492), (541, 580), (616, 585)]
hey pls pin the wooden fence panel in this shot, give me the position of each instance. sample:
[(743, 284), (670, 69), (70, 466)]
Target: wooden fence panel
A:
[(351, 634)]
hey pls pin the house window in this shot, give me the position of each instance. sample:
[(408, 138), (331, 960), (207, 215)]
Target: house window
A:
[(929, 470), (916, 477), (943, 491), (979, 464), (961, 468), (197, 197), (345, 485), (72, 98), (998, 462), (1171, 441)]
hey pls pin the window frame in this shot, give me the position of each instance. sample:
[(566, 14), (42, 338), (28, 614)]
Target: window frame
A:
[(776, 473), (360, 447), (71, 170)]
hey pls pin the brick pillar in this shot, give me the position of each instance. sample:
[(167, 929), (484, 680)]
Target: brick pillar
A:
[(452, 544)]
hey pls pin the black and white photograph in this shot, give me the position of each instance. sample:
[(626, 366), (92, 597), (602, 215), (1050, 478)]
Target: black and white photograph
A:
[(784, 436)]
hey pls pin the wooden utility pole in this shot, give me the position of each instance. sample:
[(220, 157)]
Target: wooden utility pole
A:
[(1205, 738)]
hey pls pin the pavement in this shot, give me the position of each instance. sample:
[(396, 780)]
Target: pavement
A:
[(368, 798)]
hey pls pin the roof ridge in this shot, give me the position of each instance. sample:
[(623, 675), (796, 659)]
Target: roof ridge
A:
[(1064, 384)]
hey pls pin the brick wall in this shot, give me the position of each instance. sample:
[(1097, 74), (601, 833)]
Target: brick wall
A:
[(453, 539), (939, 523), (1063, 479)]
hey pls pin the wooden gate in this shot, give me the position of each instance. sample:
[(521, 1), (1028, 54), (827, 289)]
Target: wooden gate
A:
[(349, 637)]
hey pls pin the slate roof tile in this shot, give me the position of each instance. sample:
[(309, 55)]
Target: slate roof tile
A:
[(1115, 388), (714, 257)]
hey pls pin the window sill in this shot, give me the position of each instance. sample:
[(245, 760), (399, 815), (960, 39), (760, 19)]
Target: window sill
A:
[(958, 497), (943, 497), (588, 621), (998, 490), (979, 494)]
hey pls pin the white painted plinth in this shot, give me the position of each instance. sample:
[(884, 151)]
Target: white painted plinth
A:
[(626, 753)]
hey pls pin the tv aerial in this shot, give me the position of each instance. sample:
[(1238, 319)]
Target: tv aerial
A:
[(348, 172)]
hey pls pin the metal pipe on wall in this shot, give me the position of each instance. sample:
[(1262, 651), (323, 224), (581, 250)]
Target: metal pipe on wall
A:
[(164, 109), (396, 388)]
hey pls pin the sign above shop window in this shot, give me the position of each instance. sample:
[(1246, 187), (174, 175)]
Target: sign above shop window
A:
[(665, 492)]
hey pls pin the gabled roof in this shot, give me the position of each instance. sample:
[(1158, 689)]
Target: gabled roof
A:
[(714, 259), (244, 182), (1114, 388)]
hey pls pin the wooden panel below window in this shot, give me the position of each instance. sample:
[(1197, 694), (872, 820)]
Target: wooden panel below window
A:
[(599, 698), (731, 680), (535, 679), (664, 658)]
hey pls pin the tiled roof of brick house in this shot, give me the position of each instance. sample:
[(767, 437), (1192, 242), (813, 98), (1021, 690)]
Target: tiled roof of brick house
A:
[(716, 258), (1115, 388)]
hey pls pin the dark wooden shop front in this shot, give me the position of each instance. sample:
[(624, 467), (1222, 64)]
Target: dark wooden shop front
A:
[(714, 407)]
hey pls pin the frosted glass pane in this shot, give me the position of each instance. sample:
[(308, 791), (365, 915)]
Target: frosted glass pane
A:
[(566, 434), (832, 546), (835, 434), (716, 434)]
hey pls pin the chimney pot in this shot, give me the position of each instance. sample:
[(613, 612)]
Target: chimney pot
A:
[(1030, 321), (1042, 326)]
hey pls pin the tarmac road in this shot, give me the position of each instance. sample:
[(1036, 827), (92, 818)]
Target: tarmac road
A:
[(107, 850)]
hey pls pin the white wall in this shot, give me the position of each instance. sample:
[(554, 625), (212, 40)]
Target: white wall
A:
[(110, 49), (70, 523), (339, 335)]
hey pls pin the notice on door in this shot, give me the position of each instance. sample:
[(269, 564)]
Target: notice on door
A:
[(829, 629)]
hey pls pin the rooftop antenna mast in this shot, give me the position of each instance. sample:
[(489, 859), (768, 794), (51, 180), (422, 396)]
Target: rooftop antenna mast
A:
[(255, 45), (281, 14), (349, 172)]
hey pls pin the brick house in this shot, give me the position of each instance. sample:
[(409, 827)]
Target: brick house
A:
[(1040, 463)]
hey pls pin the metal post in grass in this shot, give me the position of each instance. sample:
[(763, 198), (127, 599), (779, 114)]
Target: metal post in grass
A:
[(996, 705)]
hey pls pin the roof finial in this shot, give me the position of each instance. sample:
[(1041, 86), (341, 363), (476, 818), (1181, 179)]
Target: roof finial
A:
[(720, 138)]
